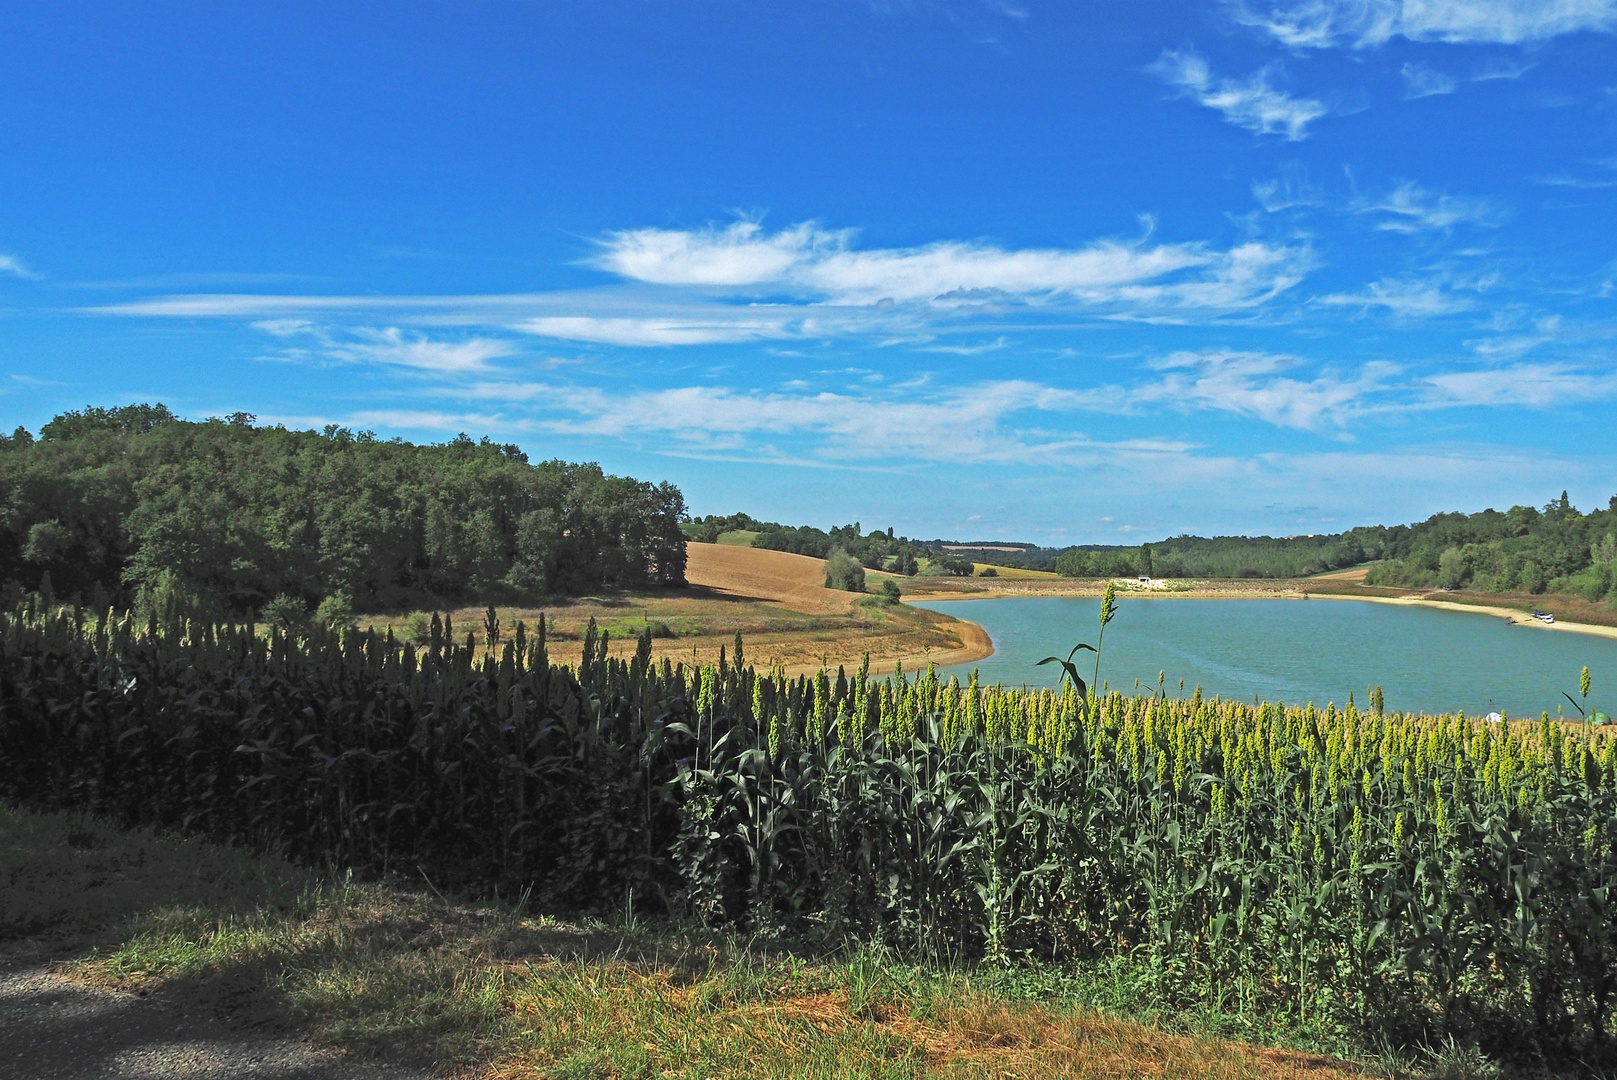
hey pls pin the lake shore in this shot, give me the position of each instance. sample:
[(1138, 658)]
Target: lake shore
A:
[(1293, 589), (1510, 615)]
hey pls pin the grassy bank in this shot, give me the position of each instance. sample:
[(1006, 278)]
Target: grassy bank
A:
[(493, 990)]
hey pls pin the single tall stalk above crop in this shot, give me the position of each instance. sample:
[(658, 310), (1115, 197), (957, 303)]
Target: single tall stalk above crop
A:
[(1108, 608)]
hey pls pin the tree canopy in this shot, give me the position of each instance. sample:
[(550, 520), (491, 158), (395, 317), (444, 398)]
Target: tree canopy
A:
[(114, 499)]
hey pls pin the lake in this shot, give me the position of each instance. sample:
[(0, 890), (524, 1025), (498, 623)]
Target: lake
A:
[(1425, 659)]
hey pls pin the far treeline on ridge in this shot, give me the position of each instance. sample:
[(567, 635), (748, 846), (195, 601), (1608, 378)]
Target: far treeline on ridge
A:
[(133, 504), (136, 506), (1521, 550)]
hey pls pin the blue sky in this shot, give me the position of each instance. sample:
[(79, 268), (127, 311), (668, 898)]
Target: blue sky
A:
[(1095, 272)]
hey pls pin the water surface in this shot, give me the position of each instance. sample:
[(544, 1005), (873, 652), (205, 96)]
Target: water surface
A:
[(1425, 659)]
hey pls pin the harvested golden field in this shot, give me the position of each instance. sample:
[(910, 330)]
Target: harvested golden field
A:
[(1014, 573), (776, 600)]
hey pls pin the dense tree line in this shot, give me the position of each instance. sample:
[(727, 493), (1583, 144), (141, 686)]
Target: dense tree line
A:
[(875, 550), (233, 515), (1523, 549)]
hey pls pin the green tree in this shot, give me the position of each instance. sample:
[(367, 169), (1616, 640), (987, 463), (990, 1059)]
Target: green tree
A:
[(1452, 570), (844, 572)]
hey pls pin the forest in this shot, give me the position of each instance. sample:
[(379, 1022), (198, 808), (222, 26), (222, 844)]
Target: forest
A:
[(1525, 549), (128, 502)]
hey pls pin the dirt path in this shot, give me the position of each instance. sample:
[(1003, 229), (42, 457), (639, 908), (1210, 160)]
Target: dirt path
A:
[(53, 1028)]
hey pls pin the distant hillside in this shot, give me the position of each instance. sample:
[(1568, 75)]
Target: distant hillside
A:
[(1528, 550)]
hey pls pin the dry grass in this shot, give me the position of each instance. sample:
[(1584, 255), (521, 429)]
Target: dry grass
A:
[(1015, 573), (776, 600), (491, 992)]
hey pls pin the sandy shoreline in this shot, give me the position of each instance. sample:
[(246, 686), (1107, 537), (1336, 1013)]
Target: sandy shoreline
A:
[(975, 645), (1510, 615)]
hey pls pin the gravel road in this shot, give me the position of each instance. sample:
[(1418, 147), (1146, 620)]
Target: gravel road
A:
[(52, 1028)]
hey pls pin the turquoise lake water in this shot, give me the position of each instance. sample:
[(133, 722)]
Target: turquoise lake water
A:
[(1425, 659)]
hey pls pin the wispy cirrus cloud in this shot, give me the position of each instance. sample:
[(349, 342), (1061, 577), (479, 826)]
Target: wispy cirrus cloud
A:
[(1283, 391), (1410, 208), (989, 422), (1262, 386), (10, 264), (389, 346), (741, 283), (1534, 386), (1285, 192), (1403, 297), (1423, 81), (654, 330), (1360, 24), (1501, 69), (1251, 103), (823, 265)]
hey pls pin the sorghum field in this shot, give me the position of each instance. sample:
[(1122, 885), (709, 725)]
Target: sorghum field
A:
[(1407, 878)]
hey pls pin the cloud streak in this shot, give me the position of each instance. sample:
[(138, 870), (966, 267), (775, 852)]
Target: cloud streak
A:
[(1403, 298), (983, 423), (1256, 385), (1362, 24), (10, 264), (1410, 208), (1421, 81), (389, 346), (822, 265), (1250, 103), (740, 283)]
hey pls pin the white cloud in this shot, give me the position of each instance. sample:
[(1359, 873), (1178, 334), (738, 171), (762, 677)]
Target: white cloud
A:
[(819, 265), (1250, 103), (1267, 387), (742, 254), (742, 284), (387, 345), (1421, 81), (284, 327), (654, 331), (1319, 24), (1411, 208), (968, 424), (1500, 68), (1254, 384), (1403, 298), (1284, 192), (806, 259), (395, 346), (1533, 386), (10, 264)]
